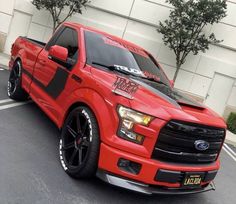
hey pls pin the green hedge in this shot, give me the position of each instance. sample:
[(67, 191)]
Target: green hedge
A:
[(231, 122)]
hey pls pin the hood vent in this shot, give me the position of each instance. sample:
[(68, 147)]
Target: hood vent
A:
[(171, 95), (200, 107)]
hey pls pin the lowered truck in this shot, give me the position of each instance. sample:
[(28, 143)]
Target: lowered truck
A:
[(120, 117)]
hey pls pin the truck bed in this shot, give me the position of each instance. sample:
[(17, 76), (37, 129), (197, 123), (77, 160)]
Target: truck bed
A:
[(27, 47), (39, 43)]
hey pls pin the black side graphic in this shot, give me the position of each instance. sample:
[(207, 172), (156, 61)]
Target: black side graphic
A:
[(27, 73), (56, 85)]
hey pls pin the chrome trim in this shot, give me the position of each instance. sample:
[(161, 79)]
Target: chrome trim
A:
[(146, 189)]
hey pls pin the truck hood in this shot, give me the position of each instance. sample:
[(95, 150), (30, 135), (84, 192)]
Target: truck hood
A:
[(168, 103), (157, 99)]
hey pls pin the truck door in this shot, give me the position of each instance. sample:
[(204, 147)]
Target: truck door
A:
[(50, 77)]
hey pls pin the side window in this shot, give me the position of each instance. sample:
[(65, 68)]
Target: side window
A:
[(54, 37), (69, 39)]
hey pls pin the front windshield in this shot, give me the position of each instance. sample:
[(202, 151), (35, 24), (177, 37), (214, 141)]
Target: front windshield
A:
[(102, 50)]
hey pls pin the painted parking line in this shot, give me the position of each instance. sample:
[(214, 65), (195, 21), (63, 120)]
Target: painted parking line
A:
[(229, 151), (232, 151), (6, 101), (11, 105)]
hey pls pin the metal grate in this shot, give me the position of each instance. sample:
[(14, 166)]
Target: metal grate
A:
[(176, 140)]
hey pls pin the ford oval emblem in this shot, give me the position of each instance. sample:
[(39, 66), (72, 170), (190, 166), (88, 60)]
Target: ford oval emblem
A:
[(201, 145)]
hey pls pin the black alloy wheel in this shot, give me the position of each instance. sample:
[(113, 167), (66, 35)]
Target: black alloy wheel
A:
[(79, 143), (14, 89), (14, 79)]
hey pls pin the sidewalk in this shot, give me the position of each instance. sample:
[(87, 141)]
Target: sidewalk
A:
[(230, 138), (4, 59)]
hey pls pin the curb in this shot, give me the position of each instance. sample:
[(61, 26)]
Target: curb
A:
[(4, 66), (230, 142)]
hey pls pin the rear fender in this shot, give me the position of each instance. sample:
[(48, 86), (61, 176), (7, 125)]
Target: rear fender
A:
[(25, 79), (22, 56)]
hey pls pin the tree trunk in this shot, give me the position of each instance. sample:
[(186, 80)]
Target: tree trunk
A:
[(54, 27), (177, 71), (55, 24)]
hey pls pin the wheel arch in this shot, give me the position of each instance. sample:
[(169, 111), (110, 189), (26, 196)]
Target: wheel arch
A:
[(20, 57), (72, 107), (97, 104)]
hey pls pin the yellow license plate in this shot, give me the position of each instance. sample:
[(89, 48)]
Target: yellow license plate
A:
[(192, 180)]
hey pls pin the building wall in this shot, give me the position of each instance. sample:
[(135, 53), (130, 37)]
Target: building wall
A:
[(135, 20)]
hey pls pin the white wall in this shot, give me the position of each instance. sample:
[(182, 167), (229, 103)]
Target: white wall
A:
[(136, 20)]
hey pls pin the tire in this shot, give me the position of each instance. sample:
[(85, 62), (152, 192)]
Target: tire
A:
[(14, 89), (79, 144)]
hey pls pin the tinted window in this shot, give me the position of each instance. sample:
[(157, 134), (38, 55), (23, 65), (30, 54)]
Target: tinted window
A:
[(69, 39), (104, 50), (54, 37)]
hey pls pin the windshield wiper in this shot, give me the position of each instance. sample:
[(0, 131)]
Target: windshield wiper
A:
[(112, 68), (153, 80)]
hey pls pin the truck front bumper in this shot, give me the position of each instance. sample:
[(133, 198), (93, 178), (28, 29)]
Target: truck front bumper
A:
[(152, 176), (148, 189)]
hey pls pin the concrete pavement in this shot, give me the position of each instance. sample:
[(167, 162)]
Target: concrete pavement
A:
[(4, 59), (31, 172)]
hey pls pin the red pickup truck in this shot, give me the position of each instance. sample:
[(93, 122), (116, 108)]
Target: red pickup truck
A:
[(119, 115)]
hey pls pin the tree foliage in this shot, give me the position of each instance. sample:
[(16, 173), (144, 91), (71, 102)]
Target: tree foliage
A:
[(184, 33), (55, 7)]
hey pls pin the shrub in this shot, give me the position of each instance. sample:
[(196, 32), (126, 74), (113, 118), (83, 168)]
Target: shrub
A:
[(231, 122)]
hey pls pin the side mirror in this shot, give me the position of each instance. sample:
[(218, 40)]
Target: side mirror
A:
[(58, 54), (172, 83)]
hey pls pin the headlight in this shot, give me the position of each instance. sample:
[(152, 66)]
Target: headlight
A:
[(134, 116), (128, 118)]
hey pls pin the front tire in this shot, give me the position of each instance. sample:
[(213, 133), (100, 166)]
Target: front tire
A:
[(79, 143), (14, 89)]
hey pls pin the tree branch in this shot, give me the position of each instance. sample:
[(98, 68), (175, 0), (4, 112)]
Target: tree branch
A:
[(186, 52), (69, 14), (59, 13)]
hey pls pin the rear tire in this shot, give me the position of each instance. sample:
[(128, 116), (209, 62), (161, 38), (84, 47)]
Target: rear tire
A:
[(14, 89), (79, 143)]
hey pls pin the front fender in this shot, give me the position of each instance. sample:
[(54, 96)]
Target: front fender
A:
[(103, 108)]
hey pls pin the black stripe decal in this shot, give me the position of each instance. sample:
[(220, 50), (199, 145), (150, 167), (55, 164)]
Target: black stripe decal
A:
[(27, 73), (55, 86), (58, 83), (160, 94)]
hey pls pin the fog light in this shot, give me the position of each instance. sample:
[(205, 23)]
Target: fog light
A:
[(129, 166), (131, 136)]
